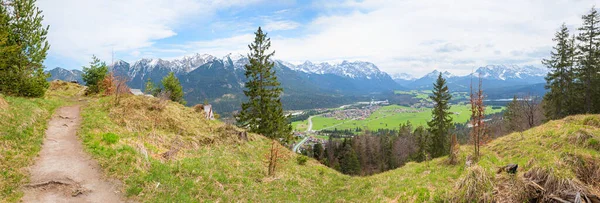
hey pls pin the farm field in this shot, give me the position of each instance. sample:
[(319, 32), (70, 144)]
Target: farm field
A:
[(424, 94), (390, 117)]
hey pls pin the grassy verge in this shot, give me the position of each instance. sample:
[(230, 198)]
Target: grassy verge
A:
[(23, 122), (212, 166)]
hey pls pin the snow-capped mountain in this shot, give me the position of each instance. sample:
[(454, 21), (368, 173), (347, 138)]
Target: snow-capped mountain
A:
[(205, 76), (403, 79), (435, 73), (509, 72), (356, 69), (403, 76), (185, 64), (493, 76), (59, 73)]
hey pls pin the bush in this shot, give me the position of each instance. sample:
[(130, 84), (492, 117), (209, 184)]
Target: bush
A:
[(173, 87), (301, 159), (93, 75), (110, 138)]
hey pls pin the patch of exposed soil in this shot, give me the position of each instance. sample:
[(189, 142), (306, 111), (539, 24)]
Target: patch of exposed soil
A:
[(64, 172)]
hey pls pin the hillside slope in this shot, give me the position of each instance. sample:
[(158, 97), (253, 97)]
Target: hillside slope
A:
[(166, 152)]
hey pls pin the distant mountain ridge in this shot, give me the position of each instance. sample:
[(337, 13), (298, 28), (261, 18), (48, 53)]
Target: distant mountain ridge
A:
[(493, 76), (221, 79), (66, 75)]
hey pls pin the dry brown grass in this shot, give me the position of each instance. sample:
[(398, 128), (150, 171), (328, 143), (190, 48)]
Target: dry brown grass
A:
[(475, 186), (3, 103), (168, 125), (592, 121), (511, 188), (549, 186), (59, 88)]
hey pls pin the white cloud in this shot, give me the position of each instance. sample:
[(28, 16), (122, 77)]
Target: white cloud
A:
[(80, 28), (281, 25), (419, 36), (413, 36)]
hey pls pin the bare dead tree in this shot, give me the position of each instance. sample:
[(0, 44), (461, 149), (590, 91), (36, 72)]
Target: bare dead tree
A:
[(477, 118)]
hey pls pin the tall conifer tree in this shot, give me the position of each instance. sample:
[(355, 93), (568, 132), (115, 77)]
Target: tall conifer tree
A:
[(263, 112), (559, 75), (589, 53), (441, 122), (22, 24)]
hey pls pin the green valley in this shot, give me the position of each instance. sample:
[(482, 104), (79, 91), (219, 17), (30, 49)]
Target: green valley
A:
[(389, 117)]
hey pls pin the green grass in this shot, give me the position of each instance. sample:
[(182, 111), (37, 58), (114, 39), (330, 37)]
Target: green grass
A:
[(423, 95), (300, 126), (22, 126), (110, 138), (387, 117), (236, 171)]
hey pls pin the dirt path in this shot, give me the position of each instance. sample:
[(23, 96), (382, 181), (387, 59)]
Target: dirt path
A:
[(63, 172)]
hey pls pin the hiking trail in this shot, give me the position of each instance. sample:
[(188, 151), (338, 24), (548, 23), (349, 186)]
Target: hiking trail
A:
[(63, 171)]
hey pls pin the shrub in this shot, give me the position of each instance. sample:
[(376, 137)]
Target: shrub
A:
[(173, 87), (302, 159), (110, 138), (94, 74)]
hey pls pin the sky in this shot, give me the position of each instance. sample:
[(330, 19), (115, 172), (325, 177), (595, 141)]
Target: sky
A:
[(399, 36)]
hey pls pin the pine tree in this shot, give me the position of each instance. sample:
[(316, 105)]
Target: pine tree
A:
[(349, 163), (441, 123), (558, 77), (151, 88), (263, 112), (573, 103), (94, 74), (589, 53), (318, 151), (512, 115), (21, 28), (423, 140), (173, 87)]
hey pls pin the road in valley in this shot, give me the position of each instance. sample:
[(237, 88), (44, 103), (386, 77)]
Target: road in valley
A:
[(296, 147)]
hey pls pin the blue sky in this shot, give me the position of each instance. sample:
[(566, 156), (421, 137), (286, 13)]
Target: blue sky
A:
[(407, 36)]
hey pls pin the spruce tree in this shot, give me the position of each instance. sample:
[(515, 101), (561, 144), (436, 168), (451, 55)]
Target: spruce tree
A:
[(349, 163), (512, 115), (441, 122), (21, 28), (263, 112), (173, 87), (93, 75), (589, 53), (559, 75)]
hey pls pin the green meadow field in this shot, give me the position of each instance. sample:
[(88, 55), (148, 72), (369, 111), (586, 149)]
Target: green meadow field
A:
[(389, 117)]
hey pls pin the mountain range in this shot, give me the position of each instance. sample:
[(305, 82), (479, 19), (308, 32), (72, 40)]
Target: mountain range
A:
[(220, 80), (492, 76)]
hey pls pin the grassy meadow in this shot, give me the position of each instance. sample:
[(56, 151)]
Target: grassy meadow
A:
[(213, 165), (389, 117)]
